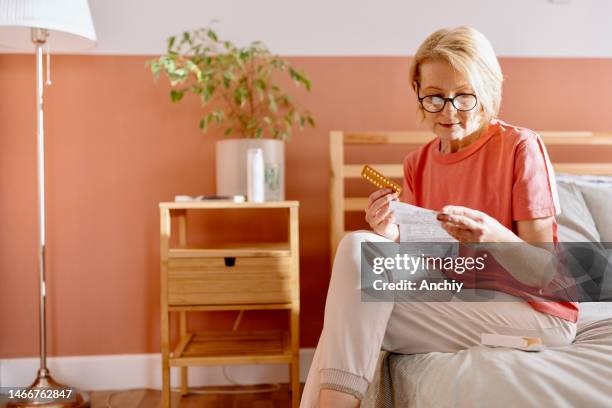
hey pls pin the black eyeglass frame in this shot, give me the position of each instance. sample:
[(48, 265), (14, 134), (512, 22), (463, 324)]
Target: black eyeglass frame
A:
[(451, 100)]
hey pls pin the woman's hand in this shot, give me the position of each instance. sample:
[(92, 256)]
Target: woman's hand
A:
[(533, 265), (468, 225), (379, 215)]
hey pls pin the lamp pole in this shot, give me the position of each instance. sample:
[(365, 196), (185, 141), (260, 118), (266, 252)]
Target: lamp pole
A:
[(39, 37), (46, 392)]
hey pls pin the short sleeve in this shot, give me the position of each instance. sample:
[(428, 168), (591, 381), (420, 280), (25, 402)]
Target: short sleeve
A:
[(408, 189), (534, 190)]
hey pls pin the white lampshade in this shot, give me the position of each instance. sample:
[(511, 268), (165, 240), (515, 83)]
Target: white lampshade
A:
[(68, 21)]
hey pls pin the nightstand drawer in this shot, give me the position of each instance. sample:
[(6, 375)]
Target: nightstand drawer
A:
[(241, 280)]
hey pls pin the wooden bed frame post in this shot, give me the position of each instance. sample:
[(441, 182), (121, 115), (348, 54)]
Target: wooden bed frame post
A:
[(336, 189)]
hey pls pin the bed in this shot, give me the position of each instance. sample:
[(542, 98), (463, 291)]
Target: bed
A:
[(579, 375)]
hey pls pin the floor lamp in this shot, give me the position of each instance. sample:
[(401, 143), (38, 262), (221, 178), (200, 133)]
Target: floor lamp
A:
[(32, 25)]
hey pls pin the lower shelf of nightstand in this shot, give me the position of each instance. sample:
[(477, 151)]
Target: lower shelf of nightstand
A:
[(232, 347), (216, 308)]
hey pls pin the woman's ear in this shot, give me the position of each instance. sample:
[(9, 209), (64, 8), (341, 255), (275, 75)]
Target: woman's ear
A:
[(415, 85), (483, 118), (483, 115), (421, 113)]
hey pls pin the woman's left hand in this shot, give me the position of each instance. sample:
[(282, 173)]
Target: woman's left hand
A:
[(468, 225)]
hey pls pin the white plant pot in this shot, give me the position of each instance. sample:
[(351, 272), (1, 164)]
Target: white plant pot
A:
[(231, 166)]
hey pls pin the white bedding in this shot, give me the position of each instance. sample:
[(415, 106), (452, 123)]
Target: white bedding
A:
[(593, 311), (579, 375)]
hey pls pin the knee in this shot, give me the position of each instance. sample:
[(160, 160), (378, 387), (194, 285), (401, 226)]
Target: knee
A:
[(350, 244), (348, 252), (355, 238)]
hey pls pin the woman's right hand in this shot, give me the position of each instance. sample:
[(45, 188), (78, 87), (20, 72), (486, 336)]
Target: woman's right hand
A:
[(379, 215)]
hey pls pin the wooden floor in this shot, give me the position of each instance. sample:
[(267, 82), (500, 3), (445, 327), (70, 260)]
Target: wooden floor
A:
[(152, 398)]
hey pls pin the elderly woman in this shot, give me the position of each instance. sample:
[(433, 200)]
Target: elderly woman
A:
[(491, 182)]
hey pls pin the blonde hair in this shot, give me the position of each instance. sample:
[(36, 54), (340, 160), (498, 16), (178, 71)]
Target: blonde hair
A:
[(470, 53)]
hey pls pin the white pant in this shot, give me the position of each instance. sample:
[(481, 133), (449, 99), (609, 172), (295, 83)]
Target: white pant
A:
[(354, 331)]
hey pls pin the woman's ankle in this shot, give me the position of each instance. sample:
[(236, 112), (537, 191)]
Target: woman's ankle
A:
[(337, 399)]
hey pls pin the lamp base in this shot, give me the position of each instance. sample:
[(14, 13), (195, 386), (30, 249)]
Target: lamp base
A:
[(45, 392)]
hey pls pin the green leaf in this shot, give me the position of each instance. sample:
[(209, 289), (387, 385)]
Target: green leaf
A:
[(181, 72), (285, 101), (177, 94), (168, 63), (186, 37), (240, 95), (260, 86), (228, 131), (272, 102), (310, 121), (244, 54), (218, 115), (171, 41), (212, 35), (259, 133), (192, 66), (299, 78), (208, 92), (307, 84), (278, 64), (154, 66), (203, 124)]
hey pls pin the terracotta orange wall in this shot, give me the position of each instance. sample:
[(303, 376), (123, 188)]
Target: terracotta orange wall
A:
[(116, 147)]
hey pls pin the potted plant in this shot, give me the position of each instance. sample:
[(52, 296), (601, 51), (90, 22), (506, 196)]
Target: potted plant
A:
[(237, 88)]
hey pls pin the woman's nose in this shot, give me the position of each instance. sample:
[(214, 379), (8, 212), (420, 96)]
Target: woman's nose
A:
[(449, 109)]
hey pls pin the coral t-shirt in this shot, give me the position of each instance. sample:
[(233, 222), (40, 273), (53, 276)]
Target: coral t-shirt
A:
[(506, 174)]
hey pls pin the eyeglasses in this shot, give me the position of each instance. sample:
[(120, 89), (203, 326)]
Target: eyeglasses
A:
[(435, 103)]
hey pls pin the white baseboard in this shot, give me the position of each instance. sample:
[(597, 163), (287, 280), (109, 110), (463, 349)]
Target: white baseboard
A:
[(127, 371)]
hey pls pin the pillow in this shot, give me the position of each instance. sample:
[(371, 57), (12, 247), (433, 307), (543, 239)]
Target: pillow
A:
[(575, 221), (598, 198), (588, 179)]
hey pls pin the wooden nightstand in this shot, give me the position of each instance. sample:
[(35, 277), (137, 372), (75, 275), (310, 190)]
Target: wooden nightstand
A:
[(259, 276)]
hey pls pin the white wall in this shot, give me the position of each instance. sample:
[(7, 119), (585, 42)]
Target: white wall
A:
[(580, 28)]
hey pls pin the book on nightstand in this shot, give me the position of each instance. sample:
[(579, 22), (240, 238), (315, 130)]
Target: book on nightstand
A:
[(188, 198)]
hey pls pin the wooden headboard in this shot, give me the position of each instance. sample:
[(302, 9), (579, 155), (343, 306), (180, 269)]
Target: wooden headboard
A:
[(340, 203)]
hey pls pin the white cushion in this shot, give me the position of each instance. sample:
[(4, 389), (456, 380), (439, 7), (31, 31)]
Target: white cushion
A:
[(593, 311), (598, 198), (575, 221)]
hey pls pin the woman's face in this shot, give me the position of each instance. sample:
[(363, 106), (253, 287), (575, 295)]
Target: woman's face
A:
[(439, 78)]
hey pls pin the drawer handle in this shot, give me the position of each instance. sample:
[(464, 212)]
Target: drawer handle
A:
[(230, 260)]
